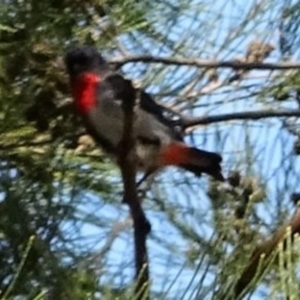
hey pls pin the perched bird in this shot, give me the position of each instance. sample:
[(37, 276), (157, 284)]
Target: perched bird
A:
[(98, 93)]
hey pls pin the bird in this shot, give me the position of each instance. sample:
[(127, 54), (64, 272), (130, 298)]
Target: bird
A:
[(98, 92)]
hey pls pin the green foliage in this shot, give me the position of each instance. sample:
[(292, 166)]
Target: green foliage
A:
[(42, 177)]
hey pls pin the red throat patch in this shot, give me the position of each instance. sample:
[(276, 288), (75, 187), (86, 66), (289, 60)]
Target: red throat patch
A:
[(85, 91)]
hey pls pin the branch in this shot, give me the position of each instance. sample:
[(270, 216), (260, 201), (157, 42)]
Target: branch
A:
[(247, 115), (126, 161), (205, 63), (265, 248)]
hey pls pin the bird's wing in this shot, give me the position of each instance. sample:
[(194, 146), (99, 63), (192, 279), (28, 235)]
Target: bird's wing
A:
[(115, 86)]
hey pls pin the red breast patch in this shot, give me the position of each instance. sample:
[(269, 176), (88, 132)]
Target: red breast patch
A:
[(85, 91)]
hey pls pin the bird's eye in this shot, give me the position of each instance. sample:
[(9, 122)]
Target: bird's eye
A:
[(76, 66), (81, 59)]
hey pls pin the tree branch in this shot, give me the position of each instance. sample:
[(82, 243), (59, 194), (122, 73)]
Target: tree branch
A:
[(205, 63), (126, 160), (247, 115), (265, 248)]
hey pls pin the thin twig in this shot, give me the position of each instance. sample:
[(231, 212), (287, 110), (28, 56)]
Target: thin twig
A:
[(206, 63), (127, 165), (247, 115)]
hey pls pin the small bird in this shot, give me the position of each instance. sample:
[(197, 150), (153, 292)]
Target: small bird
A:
[(98, 93)]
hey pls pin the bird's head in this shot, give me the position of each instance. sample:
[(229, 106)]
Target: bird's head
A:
[(84, 59)]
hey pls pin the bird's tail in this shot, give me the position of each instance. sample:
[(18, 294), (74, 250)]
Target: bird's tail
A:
[(192, 159)]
